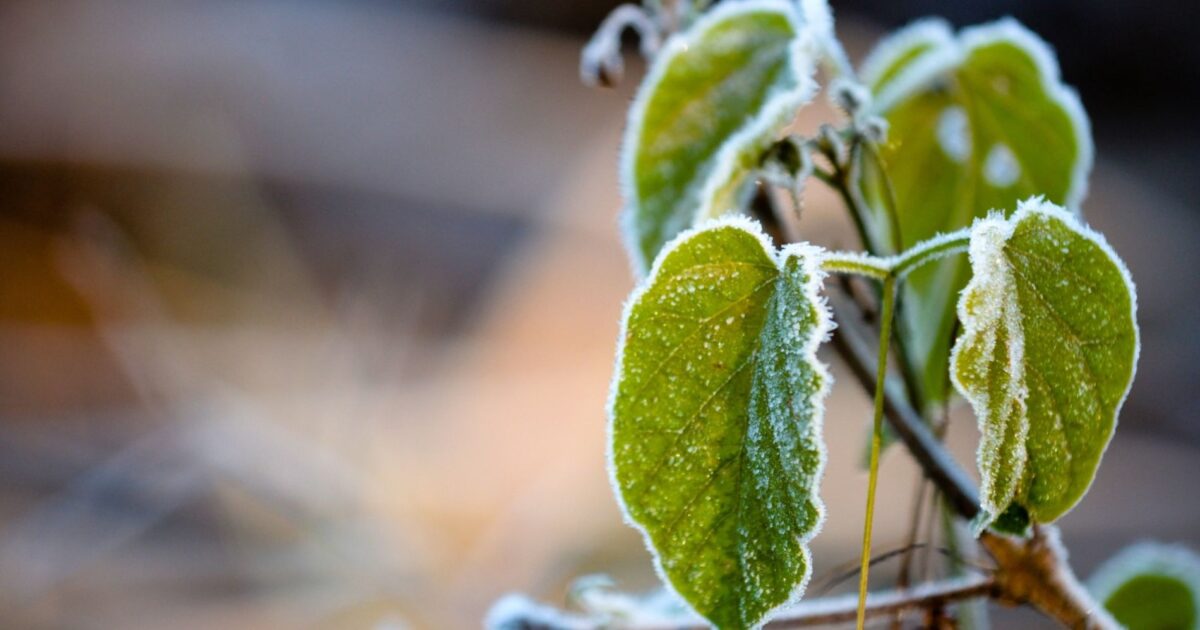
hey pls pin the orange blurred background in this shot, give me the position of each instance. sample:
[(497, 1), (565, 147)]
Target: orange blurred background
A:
[(308, 310)]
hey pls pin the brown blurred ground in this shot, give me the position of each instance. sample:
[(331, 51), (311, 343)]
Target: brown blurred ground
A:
[(308, 311)]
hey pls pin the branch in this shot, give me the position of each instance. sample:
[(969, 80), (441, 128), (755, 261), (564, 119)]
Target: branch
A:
[(844, 609), (519, 613)]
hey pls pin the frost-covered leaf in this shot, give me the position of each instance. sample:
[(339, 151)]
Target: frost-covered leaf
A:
[(716, 410), (1046, 357), (976, 121), (1150, 586), (715, 98)]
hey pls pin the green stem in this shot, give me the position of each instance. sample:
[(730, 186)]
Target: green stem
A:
[(883, 267), (885, 334), (859, 264), (931, 250)]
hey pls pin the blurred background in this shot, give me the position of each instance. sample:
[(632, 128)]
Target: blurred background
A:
[(308, 308)]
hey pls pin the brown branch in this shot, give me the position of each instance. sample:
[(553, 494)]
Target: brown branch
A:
[(887, 603), (521, 614)]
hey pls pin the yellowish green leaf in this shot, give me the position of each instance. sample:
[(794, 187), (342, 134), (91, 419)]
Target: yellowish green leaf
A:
[(1046, 357), (1150, 586), (715, 98), (715, 418), (976, 122)]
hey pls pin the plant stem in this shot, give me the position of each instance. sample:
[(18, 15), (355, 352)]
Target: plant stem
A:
[(860, 264), (885, 335), (930, 250), (896, 267)]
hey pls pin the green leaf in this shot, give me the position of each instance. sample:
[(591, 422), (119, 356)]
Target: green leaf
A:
[(976, 122), (715, 418), (715, 98), (1046, 357), (1150, 586)]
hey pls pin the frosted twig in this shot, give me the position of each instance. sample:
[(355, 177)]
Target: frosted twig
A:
[(601, 62), (516, 612)]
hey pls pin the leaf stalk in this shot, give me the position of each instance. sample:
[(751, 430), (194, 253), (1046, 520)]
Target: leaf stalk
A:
[(885, 335)]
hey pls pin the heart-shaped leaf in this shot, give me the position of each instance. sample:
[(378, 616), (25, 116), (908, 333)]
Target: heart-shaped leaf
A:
[(976, 122), (1046, 357), (716, 411), (1150, 586), (715, 98)]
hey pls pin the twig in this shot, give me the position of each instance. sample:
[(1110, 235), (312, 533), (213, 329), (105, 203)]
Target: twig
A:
[(522, 614), (844, 609)]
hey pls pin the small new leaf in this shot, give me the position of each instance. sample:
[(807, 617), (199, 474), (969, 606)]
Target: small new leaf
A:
[(715, 98), (1046, 357), (715, 415), (1150, 586), (977, 120)]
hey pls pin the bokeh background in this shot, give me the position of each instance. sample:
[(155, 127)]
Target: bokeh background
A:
[(308, 308)]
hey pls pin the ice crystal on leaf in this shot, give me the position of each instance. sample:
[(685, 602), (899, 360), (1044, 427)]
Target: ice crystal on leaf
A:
[(715, 98), (1046, 357), (715, 439)]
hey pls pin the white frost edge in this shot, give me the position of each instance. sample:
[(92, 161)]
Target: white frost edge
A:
[(989, 274), (1037, 205), (890, 263), (1067, 579), (821, 333), (513, 608), (950, 53), (819, 14), (934, 31), (725, 159), (1147, 557)]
